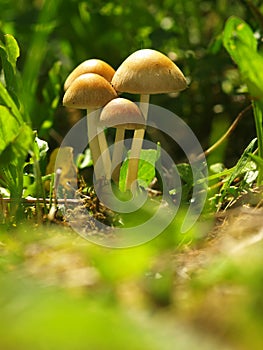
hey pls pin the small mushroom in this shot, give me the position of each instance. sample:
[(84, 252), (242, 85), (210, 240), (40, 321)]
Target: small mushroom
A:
[(95, 66), (146, 72), (121, 114), (90, 91), (90, 66)]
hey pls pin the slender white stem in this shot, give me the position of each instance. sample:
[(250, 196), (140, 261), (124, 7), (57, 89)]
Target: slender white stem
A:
[(136, 147), (144, 105), (92, 122), (105, 155), (117, 154)]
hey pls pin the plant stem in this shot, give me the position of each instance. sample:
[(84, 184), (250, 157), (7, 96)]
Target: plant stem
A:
[(16, 191), (258, 116), (226, 134), (39, 187), (117, 154), (134, 158)]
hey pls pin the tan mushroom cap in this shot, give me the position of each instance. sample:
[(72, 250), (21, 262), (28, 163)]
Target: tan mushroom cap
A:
[(89, 91), (148, 71), (122, 113), (90, 66)]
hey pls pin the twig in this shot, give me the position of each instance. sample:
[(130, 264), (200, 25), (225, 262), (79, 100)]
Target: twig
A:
[(32, 200), (226, 134)]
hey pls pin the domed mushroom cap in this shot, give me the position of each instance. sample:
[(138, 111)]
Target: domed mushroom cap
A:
[(148, 72), (90, 66), (89, 91), (122, 113)]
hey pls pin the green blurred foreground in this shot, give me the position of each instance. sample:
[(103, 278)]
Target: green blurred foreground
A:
[(60, 291)]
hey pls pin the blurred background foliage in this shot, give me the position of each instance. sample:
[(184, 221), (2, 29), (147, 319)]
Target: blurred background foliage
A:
[(58, 35)]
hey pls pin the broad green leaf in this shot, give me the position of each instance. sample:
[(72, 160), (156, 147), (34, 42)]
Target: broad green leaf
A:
[(241, 44), (9, 52), (238, 32), (12, 49), (7, 100), (8, 127), (146, 171), (12, 179), (15, 141), (251, 72), (18, 147)]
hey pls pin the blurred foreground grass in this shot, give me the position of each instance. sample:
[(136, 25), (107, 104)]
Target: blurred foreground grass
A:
[(60, 291)]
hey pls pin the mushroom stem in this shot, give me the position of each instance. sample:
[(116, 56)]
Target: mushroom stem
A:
[(92, 123), (98, 146), (136, 147), (117, 154), (105, 154)]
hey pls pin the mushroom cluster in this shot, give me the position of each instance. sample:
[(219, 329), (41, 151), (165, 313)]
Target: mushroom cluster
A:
[(95, 86)]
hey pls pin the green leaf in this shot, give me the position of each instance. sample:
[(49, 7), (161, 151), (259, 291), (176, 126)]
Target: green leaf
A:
[(185, 172), (51, 91), (9, 52), (215, 45), (15, 142), (146, 170), (186, 175), (237, 32), (259, 163), (258, 116), (217, 168), (18, 147), (241, 165), (12, 49), (8, 101), (8, 127), (84, 160), (40, 148), (251, 173), (258, 160), (241, 44), (36, 51)]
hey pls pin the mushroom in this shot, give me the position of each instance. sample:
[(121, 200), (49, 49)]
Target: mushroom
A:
[(90, 66), (121, 114), (91, 91), (146, 72), (99, 67)]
